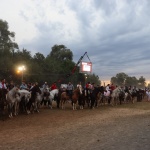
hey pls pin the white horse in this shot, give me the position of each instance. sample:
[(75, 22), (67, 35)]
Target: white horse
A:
[(11, 98), (45, 93), (52, 95), (37, 102), (115, 96), (106, 97), (16, 104), (25, 96), (148, 95)]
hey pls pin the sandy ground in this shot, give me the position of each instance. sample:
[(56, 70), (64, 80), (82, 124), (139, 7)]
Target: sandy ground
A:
[(125, 127)]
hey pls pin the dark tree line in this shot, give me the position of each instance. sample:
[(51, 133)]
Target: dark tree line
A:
[(122, 79)]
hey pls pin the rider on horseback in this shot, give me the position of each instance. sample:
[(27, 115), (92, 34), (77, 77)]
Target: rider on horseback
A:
[(45, 93), (70, 89), (3, 87), (53, 86), (23, 86), (88, 87), (45, 85), (3, 84), (33, 90)]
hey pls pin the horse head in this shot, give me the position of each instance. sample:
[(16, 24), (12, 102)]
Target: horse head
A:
[(80, 89), (77, 91)]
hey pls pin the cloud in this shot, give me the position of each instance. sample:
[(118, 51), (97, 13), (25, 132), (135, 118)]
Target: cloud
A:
[(115, 34)]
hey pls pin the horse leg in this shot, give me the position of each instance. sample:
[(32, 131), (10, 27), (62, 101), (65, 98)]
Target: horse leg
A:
[(29, 106), (15, 108), (37, 104), (105, 100), (50, 103), (10, 108), (73, 106), (101, 102), (96, 102), (116, 101), (57, 101), (61, 103), (120, 101), (26, 107), (132, 100), (2, 110), (32, 107), (112, 101)]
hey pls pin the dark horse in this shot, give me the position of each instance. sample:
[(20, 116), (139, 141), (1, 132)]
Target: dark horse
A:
[(94, 97), (100, 95), (3, 93), (121, 96)]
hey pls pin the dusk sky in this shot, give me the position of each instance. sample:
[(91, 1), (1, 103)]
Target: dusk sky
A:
[(114, 33)]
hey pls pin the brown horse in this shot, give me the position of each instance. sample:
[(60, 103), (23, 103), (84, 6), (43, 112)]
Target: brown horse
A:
[(63, 98), (75, 97)]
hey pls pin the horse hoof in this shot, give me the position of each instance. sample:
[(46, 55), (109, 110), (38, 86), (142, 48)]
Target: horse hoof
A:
[(50, 107), (28, 112), (10, 116)]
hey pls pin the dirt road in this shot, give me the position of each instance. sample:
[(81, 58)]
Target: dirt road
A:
[(125, 127)]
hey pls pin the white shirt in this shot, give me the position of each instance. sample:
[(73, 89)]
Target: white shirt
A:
[(107, 93), (107, 88), (3, 86), (148, 93)]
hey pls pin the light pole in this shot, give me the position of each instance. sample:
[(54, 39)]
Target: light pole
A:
[(22, 69), (104, 83), (85, 77)]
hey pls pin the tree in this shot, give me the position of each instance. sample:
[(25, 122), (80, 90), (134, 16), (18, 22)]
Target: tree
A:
[(119, 79), (24, 55), (114, 80), (38, 57), (148, 85), (61, 53), (7, 47), (131, 81), (7, 44), (141, 82)]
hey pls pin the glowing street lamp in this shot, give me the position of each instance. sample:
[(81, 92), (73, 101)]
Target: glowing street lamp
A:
[(22, 69)]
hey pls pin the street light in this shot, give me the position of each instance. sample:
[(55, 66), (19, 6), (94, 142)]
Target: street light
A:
[(22, 69)]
